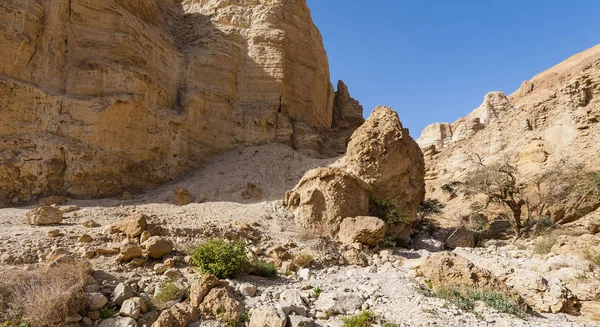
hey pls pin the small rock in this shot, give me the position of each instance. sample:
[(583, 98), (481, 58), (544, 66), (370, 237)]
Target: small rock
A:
[(85, 238), (118, 322), (121, 293), (160, 268), (182, 196), (267, 317), (134, 225), (248, 289), (173, 274), (44, 216), (71, 208), (145, 236), (53, 233), (90, 224), (129, 251), (97, 301), (158, 246), (133, 307), (298, 321), (304, 274)]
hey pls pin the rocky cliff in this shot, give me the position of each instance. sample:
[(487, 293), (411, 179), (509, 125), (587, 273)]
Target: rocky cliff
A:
[(553, 116), (101, 96)]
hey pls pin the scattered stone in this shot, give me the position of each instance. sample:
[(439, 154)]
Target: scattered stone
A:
[(461, 238), (180, 314), (145, 236), (85, 238), (118, 322), (121, 293), (299, 321), (97, 301), (44, 216), (137, 262), (129, 251), (304, 274), (199, 289), (158, 246), (339, 303), (134, 225), (247, 289), (182, 196), (53, 233), (267, 317), (364, 230), (220, 304), (133, 308), (173, 274), (90, 224), (160, 268)]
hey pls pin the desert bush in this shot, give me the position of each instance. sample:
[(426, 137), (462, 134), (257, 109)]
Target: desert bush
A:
[(45, 296), (220, 257), (263, 269), (318, 291), (363, 319), (386, 210), (465, 298), (168, 292)]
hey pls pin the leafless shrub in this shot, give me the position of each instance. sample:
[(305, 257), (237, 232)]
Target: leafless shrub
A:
[(44, 296)]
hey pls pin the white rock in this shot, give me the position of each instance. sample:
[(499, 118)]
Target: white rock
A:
[(304, 274), (118, 322), (248, 289), (121, 293)]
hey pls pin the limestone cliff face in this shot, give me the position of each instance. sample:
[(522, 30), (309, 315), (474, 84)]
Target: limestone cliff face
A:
[(551, 117), (99, 96)]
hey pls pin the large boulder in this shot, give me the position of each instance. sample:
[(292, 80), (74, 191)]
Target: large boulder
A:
[(365, 230), (325, 196), (382, 153), (444, 270), (44, 216), (267, 317)]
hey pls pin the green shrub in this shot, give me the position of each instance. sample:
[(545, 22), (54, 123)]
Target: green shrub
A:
[(317, 291), (363, 319), (263, 269), (240, 322), (168, 292), (220, 257), (107, 312), (465, 298), (387, 211)]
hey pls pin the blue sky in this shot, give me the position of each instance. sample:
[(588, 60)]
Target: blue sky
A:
[(435, 60)]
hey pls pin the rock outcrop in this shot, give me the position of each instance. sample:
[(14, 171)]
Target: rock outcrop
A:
[(552, 117), (382, 153), (99, 97)]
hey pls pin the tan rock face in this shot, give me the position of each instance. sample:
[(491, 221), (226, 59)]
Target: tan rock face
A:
[(157, 247), (102, 96), (325, 196), (364, 230), (552, 117), (382, 153), (449, 269)]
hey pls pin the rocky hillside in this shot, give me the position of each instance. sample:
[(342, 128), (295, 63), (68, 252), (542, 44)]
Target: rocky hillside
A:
[(552, 117), (98, 97)]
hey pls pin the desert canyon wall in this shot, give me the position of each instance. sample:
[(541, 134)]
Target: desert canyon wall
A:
[(102, 96)]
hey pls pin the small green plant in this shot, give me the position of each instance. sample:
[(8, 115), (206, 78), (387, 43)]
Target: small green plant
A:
[(429, 284), (387, 211), (317, 291), (363, 319), (303, 260), (107, 312), (465, 298), (220, 257), (582, 276), (168, 292), (263, 269)]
